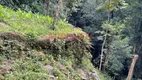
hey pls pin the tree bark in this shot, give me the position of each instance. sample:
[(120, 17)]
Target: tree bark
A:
[(102, 52), (56, 14), (105, 65), (46, 7), (130, 74), (108, 42)]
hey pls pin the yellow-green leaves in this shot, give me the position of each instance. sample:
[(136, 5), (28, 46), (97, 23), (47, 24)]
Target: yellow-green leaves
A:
[(113, 28), (110, 5), (35, 24)]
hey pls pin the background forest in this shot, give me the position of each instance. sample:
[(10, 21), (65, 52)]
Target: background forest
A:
[(114, 26)]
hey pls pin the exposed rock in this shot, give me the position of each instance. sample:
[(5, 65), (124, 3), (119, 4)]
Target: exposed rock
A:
[(88, 75), (93, 76), (2, 70), (7, 66), (82, 74), (40, 53), (48, 68), (51, 76), (60, 66)]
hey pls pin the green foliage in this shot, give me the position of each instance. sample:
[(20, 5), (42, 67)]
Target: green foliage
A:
[(75, 49), (32, 24), (32, 66), (113, 5), (117, 28), (119, 48), (121, 29), (28, 63), (37, 6), (26, 5), (134, 31), (112, 30), (59, 74), (91, 16), (28, 70), (11, 49)]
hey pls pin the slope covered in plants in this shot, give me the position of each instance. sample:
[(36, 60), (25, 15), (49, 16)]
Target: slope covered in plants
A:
[(34, 24), (31, 50)]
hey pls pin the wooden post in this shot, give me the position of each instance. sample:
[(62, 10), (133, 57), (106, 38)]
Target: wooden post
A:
[(130, 74)]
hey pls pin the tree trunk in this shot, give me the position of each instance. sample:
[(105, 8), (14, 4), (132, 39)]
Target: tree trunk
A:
[(105, 40), (105, 65), (57, 11), (46, 7), (138, 66), (102, 52), (108, 42), (130, 74)]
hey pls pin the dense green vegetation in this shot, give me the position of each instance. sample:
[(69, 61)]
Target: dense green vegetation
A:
[(48, 26), (118, 24), (32, 23), (31, 49)]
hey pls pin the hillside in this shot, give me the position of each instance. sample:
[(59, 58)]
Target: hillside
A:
[(31, 50)]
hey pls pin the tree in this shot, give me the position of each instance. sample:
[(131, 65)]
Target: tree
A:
[(46, 7), (110, 6), (56, 14), (26, 5), (119, 58), (134, 30)]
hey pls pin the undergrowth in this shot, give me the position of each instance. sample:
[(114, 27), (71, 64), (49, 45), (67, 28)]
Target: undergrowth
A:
[(32, 24), (37, 57)]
